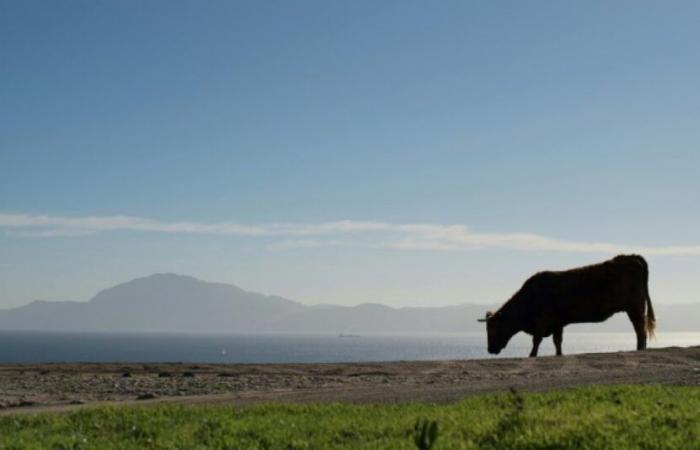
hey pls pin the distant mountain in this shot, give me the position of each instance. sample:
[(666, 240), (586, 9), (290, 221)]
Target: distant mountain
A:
[(162, 302), (177, 303), (372, 317)]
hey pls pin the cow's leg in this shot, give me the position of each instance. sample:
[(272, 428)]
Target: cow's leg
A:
[(637, 319), (536, 340), (558, 337)]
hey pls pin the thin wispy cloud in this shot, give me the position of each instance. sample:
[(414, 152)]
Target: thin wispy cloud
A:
[(116, 223), (49, 233), (427, 237), (288, 244)]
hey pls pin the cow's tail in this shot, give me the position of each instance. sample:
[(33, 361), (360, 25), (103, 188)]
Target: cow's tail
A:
[(650, 324), (650, 320)]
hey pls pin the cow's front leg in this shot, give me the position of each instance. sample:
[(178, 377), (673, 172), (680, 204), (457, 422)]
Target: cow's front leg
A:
[(558, 337), (536, 340)]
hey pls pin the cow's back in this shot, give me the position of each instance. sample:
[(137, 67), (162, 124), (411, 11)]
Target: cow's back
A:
[(588, 294)]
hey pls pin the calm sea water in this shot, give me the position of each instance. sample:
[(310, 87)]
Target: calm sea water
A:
[(270, 348)]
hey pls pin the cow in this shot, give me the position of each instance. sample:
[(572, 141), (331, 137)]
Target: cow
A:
[(548, 301)]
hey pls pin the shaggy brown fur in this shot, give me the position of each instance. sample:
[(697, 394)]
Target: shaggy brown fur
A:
[(548, 301)]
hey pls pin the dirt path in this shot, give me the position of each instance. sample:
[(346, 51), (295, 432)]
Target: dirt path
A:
[(62, 387)]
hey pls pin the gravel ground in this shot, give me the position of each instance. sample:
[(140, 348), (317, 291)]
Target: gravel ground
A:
[(58, 387)]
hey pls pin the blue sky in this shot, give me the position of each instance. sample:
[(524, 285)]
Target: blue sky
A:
[(535, 129)]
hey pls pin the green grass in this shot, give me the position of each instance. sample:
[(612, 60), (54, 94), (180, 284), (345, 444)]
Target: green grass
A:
[(639, 417)]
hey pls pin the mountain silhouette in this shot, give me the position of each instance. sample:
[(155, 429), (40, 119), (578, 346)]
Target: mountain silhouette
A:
[(178, 303), (161, 302)]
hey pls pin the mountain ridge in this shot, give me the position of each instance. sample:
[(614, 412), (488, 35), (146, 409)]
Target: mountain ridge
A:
[(168, 302)]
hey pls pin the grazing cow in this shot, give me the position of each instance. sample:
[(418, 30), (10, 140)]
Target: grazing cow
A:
[(548, 301)]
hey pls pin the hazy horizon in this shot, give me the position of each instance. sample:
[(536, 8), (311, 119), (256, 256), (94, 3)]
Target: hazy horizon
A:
[(170, 303), (474, 302), (402, 153), (274, 294)]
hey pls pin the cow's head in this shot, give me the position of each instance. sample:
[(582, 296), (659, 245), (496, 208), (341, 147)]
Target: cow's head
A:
[(498, 332)]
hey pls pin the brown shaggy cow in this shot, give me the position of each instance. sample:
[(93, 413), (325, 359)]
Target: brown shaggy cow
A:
[(548, 301)]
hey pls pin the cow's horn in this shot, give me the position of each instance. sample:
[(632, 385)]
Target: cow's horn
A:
[(489, 314)]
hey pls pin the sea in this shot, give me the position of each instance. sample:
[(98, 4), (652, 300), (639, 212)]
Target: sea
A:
[(35, 347)]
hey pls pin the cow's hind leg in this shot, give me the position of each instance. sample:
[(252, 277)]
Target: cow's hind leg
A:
[(536, 340), (558, 337), (637, 318)]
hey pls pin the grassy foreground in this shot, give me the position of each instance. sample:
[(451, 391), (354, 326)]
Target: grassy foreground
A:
[(594, 417)]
